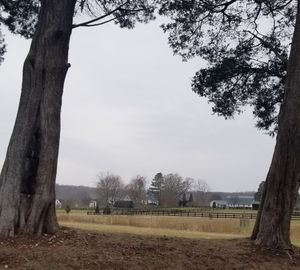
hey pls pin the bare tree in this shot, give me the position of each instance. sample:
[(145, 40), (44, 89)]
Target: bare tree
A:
[(201, 189), (109, 186), (174, 187), (137, 189)]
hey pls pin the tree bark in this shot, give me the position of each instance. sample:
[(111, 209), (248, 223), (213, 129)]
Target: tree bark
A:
[(27, 180), (272, 228)]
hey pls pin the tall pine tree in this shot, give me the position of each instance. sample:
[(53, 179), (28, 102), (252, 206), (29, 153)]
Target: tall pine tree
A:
[(156, 187), (27, 180), (246, 46)]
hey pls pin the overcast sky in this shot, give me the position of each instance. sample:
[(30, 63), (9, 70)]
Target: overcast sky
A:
[(128, 108)]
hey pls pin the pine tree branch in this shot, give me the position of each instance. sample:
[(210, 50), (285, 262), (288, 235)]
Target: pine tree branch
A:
[(87, 23), (269, 46)]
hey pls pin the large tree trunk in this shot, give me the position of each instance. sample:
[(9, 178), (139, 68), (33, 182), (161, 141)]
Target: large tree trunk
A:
[(27, 181), (272, 228)]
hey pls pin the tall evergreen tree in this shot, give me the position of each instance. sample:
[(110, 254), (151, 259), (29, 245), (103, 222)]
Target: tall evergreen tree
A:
[(156, 187), (27, 180), (246, 46)]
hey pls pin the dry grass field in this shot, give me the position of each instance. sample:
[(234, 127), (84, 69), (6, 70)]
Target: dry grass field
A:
[(195, 224), (189, 227)]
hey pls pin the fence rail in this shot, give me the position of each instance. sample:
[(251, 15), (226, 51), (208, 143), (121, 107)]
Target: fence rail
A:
[(205, 214)]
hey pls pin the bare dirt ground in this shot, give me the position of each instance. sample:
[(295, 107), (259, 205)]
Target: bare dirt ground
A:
[(71, 249)]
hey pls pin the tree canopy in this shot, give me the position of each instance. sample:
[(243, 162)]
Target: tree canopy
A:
[(20, 16), (245, 45)]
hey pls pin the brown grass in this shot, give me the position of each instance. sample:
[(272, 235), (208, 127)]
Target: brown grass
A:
[(196, 224), (189, 225), (147, 231)]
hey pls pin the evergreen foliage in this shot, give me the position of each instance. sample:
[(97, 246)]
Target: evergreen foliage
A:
[(2, 47), (21, 16), (157, 186), (107, 210), (245, 45)]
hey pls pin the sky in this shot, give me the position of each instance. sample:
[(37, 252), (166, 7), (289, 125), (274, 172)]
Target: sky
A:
[(128, 109)]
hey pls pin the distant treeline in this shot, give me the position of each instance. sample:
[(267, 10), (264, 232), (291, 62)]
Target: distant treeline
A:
[(80, 196)]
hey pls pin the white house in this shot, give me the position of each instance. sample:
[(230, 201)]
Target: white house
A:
[(112, 200), (57, 203), (93, 204)]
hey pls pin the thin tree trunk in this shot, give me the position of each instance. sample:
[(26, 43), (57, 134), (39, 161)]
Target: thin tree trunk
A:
[(272, 228), (27, 180)]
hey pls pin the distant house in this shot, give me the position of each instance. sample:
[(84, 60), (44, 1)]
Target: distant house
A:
[(58, 203), (218, 204), (92, 204), (123, 202), (240, 201)]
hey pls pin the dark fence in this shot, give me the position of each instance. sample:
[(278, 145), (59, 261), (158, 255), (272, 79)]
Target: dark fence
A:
[(182, 213)]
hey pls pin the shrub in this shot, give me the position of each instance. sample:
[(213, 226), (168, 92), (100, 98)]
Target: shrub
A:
[(68, 209), (106, 210)]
